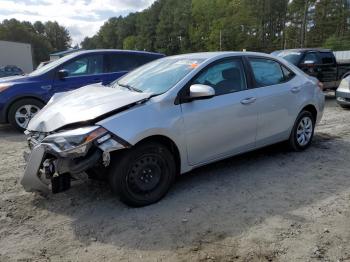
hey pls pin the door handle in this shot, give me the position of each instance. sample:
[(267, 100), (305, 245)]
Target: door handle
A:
[(248, 101), (295, 89)]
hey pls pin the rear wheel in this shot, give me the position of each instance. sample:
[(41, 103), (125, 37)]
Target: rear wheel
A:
[(143, 175), (303, 131), (22, 111)]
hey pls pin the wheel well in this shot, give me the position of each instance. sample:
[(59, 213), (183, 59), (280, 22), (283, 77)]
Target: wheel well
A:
[(311, 109), (18, 99), (169, 144), (345, 75)]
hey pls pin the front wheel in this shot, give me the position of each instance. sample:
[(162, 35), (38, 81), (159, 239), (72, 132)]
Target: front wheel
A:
[(303, 131), (22, 111), (143, 175)]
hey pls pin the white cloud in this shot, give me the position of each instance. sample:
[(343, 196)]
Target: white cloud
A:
[(81, 17)]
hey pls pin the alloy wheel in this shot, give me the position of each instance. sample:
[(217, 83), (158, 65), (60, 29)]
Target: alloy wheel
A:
[(24, 114), (304, 131)]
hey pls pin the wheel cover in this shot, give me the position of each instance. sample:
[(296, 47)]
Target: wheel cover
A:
[(304, 131), (145, 175), (24, 114)]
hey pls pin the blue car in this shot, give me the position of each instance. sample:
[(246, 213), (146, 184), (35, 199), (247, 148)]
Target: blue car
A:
[(21, 97)]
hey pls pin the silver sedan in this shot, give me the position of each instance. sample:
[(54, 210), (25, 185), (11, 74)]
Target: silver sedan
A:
[(343, 93), (167, 118)]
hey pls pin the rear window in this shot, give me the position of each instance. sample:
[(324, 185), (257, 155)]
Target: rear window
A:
[(291, 57), (311, 57)]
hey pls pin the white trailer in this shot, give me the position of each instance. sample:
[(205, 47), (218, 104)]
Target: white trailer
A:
[(342, 57), (17, 54)]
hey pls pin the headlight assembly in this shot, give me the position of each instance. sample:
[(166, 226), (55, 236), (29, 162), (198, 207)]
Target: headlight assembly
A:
[(4, 86), (74, 142)]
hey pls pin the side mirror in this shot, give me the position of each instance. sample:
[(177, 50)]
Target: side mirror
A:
[(198, 91), (62, 74)]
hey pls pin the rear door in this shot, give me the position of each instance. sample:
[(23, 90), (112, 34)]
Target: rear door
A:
[(277, 99), (321, 65), (82, 71), (328, 69), (310, 64)]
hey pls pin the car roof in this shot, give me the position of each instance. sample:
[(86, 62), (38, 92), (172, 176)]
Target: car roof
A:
[(210, 55), (115, 51), (305, 50)]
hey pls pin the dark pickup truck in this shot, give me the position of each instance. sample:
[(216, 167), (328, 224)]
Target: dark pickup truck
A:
[(320, 63)]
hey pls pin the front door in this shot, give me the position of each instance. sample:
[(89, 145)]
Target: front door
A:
[(226, 123), (82, 71)]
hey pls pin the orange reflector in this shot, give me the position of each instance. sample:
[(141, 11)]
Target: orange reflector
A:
[(95, 134), (194, 65)]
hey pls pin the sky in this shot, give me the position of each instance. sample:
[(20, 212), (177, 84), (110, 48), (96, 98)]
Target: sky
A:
[(81, 17)]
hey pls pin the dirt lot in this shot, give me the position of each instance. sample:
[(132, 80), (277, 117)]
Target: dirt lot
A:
[(269, 205)]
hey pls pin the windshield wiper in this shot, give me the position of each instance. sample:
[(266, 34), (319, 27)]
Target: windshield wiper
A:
[(129, 87)]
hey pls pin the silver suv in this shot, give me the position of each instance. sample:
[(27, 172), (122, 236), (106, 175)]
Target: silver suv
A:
[(167, 118)]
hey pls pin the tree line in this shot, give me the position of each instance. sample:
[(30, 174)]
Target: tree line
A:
[(44, 38), (173, 26)]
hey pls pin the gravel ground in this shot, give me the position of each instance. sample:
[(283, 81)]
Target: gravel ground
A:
[(268, 205)]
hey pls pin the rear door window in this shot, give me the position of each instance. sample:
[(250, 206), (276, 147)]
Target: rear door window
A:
[(125, 62), (326, 58), (267, 72), (288, 74)]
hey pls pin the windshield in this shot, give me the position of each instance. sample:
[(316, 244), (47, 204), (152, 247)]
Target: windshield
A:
[(159, 76), (46, 68), (292, 57)]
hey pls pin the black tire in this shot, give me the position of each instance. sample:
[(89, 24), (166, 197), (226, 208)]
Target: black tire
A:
[(143, 175), (293, 139), (17, 105), (344, 106)]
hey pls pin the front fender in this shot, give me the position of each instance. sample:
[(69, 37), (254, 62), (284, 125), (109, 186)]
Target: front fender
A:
[(150, 119)]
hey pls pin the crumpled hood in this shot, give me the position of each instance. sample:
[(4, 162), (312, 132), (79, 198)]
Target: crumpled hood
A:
[(83, 104)]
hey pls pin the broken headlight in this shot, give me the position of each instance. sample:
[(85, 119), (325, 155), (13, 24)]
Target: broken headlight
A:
[(74, 142)]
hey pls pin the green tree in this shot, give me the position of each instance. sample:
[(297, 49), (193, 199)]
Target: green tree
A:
[(37, 35), (172, 26), (131, 43), (338, 43), (39, 28), (57, 35)]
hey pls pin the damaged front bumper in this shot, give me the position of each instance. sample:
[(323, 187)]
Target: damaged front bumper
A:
[(32, 179), (49, 168)]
